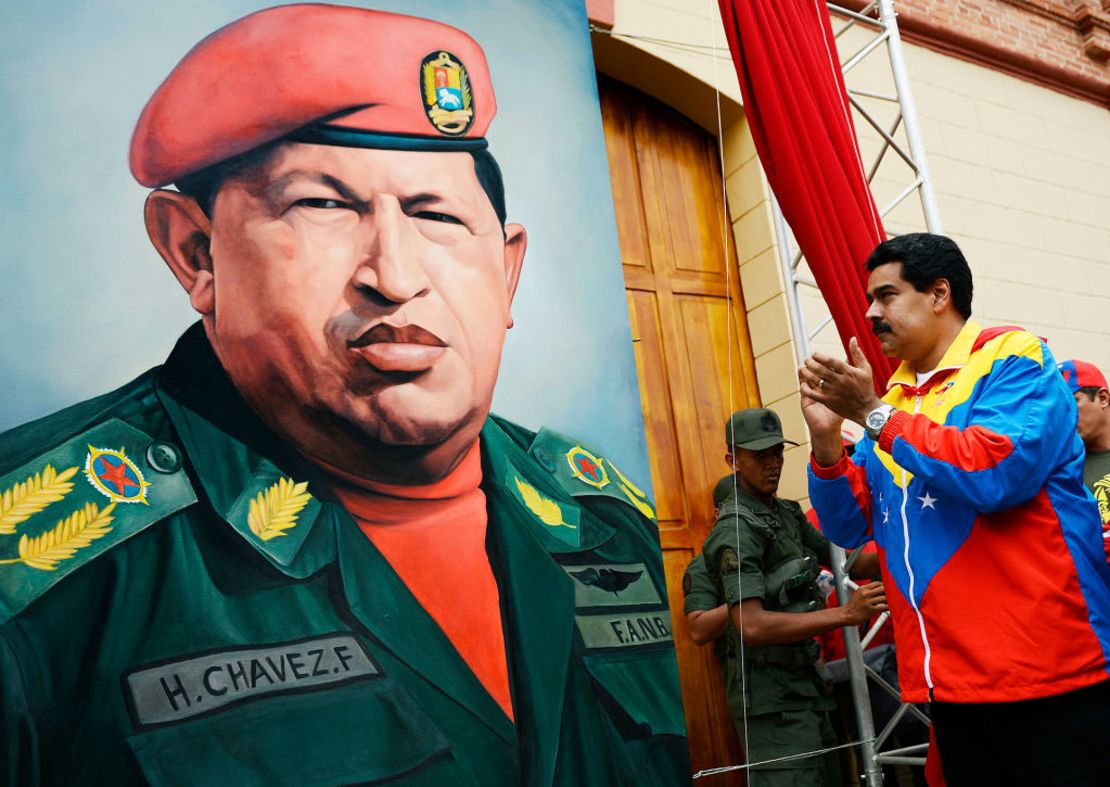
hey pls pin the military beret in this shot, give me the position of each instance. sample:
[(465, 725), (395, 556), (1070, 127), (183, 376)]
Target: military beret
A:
[(1080, 374), (315, 73)]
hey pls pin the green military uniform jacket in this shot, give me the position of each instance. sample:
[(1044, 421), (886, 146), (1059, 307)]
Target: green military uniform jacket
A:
[(747, 549), (234, 626), (700, 593)]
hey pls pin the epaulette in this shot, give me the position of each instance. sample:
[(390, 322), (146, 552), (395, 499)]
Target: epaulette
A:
[(581, 470), (80, 499)]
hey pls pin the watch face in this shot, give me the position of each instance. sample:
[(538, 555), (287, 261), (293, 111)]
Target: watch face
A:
[(876, 419)]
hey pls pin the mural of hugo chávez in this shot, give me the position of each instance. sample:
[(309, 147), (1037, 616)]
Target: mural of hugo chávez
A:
[(302, 551)]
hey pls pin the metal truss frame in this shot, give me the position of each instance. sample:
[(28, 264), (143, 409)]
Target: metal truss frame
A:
[(878, 18)]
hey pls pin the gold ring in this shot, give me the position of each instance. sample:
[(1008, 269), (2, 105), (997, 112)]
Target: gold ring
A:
[(821, 383)]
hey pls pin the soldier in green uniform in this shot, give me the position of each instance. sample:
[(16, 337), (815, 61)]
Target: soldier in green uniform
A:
[(186, 596), (764, 559), (703, 605), (707, 621)]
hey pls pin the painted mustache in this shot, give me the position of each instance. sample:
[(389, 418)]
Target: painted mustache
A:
[(392, 334), (879, 326)]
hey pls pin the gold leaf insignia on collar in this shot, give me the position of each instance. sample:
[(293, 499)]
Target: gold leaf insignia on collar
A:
[(274, 511), (75, 532), (545, 509), (641, 504), (26, 499), (631, 487)]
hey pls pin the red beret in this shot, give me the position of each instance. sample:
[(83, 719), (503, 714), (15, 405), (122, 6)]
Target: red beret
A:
[(315, 73), (1080, 374)]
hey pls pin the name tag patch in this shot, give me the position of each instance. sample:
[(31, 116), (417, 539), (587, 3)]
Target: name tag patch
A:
[(612, 585), (623, 631), (179, 689)]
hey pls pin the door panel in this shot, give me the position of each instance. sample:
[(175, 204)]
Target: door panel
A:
[(693, 354), (666, 472)]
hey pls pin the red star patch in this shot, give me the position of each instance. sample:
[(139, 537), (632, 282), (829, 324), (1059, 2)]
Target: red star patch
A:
[(586, 466), (117, 475)]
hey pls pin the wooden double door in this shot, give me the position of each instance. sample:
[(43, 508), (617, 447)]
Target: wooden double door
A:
[(693, 354)]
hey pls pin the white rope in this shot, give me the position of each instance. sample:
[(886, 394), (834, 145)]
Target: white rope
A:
[(725, 225), (690, 47), (788, 758), (713, 17)]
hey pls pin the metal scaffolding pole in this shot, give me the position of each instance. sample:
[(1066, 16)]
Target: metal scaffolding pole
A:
[(880, 20), (909, 116)]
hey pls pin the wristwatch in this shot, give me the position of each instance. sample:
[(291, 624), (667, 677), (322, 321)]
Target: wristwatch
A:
[(876, 420)]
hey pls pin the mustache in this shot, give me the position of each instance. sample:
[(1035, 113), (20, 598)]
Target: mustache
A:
[(397, 334), (879, 326)]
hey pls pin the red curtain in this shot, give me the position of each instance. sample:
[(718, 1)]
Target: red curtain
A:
[(798, 111)]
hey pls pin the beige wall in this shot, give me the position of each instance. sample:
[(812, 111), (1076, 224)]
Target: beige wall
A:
[(1022, 177), (1023, 180)]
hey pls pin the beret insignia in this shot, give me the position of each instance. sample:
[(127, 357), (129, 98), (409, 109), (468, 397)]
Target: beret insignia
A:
[(445, 90), (768, 423)]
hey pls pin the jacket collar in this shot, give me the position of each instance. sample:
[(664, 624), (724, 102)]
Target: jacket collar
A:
[(955, 357), (241, 465), (753, 502), (556, 519)]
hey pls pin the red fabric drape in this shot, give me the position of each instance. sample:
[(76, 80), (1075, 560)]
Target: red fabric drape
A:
[(798, 111)]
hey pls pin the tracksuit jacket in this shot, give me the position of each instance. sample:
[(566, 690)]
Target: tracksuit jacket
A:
[(990, 543)]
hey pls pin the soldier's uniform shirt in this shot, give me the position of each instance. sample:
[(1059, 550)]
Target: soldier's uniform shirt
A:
[(783, 703), (698, 591), (238, 628), (700, 594), (1096, 476)]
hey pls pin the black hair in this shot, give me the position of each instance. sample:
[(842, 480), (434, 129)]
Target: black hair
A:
[(489, 176), (925, 258), (1090, 390), (203, 185)]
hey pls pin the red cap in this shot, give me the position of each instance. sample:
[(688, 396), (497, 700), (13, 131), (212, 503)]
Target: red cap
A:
[(315, 73), (1080, 374)]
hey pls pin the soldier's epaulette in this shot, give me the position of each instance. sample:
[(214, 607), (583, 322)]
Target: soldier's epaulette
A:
[(77, 501), (581, 470)]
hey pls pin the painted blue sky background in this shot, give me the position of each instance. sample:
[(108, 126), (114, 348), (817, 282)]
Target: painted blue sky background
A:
[(87, 304)]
